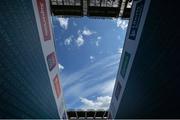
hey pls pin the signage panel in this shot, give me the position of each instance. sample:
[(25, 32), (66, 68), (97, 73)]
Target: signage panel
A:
[(57, 86), (51, 60), (41, 4), (42, 13), (118, 90), (136, 20), (125, 64)]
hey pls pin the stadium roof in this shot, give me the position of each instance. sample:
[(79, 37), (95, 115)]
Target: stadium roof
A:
[(89, 114), (91, 8)]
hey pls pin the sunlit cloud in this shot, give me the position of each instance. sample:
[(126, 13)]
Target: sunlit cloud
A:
[(61, 67), (87, 32), (80, 41), (101, 102), (122, 23), (119, 51), (107, 87), (63, 22), (97, 43), (92, 58), (68, 40), (90, 79)]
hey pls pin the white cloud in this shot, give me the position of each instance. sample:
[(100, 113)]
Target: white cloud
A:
[(120, 50), (114, 19), (97, 43), (87, 32), (91, 57), (68, 40), (101, 102), (99, 37), (106, 65), (122, 23), (107, 87), (61, 67), (79, 32), (90, 79), (80, 41), (63, 22)]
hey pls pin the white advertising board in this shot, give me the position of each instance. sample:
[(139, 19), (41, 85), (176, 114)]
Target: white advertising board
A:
[(44, 24)]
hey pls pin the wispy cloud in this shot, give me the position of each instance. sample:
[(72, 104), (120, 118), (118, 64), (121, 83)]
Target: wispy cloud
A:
[(80, 41), (68, 40), (75, 24), (100, 76), (107, 87), (119, 37), (119, 51), (63, 22), (97, 43), (122, 23), (105, 64), (101, 102)]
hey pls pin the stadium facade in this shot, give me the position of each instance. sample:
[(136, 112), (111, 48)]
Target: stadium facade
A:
[(148, 76), (29, 73)]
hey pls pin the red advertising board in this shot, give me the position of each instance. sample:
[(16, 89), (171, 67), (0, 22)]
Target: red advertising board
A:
[(51, 60), (41, 4), (57, 85)]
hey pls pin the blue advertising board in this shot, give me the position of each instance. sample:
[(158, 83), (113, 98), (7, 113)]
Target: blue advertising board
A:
[(136, 20)]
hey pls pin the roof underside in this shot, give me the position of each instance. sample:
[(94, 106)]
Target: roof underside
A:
[(96, 8), (91, 114)]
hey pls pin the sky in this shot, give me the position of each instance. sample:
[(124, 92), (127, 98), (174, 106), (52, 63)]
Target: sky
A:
[(88, 52)]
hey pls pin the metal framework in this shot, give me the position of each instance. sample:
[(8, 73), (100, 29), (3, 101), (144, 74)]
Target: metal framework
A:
[(96, 8), (89, 114)]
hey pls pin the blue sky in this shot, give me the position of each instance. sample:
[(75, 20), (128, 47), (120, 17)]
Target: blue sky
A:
[(89, 52)]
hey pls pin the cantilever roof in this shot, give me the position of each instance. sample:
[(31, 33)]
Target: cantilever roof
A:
[(97, 8), (89, 114)]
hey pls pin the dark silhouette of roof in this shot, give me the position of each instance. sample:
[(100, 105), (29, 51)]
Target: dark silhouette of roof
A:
[(91, 8), (88, 114)]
